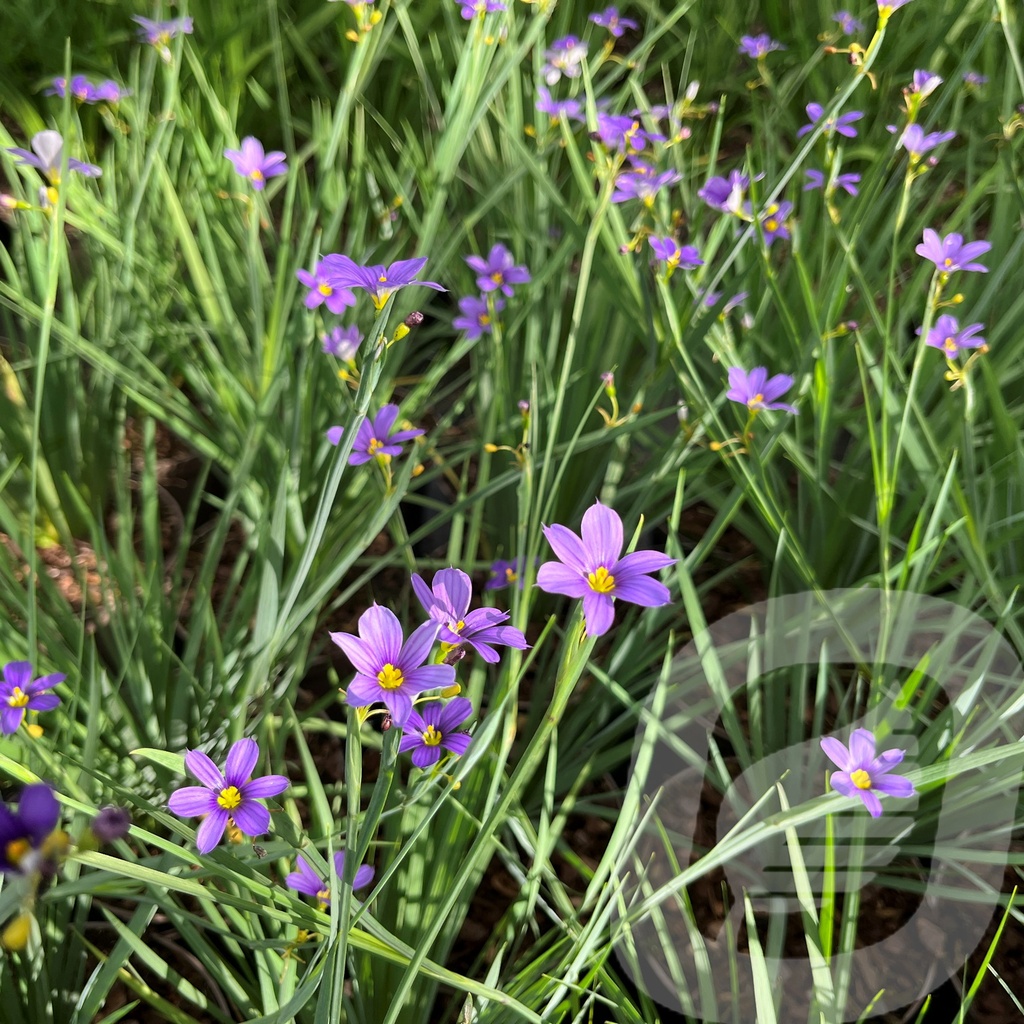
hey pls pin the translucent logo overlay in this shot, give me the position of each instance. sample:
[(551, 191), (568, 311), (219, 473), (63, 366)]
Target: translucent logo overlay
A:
[(737, 849)]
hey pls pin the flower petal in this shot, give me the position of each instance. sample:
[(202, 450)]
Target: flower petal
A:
[(417, 647), (199, 764), (38, 811), (456, 588), (265, 786), (242, 758), (380, 629), (18, 673), (862, 749), (555, 578), (598, 612), (210, 831), (568, 548), (871, 802), (252, 818), (642, 590), (192, 801), (836, 752), (602, 535), (894, 785)]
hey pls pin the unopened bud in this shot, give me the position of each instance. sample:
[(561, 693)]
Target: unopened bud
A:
[(451, 691), (400, 332), (489, 447), (454, 656), (385, 724), (110, 824), (16, 935), (413, 319)]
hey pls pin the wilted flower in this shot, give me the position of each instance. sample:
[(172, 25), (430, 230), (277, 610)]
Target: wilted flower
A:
[(952, 252), (759, 46), (675, 255), (231, 797), (916, 142), (389, 669), (24, 833), (48, 147), (589, 567), (816, 179), (563, 57), (253, 163), (840, 124), (446, 601), (498, 270), (947, 336), (756, 391), (342, 342), (610, 19), (159, 33), (475, 318), (322, 291), (432, 727), (848, 23), (309, 883), (20, 693), (556, 108), (481, 7), (862, 775), (378, 280), (725, 194)]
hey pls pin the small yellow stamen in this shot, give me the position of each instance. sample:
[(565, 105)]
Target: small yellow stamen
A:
[(601, 580), (860, 779), (457, 627), (431, 737), (256, 174), (511, 575), (485, 320), (496, 277), (771, 224), (16, 849), (229, 798), (950, 345), (390, 677), (325, 290), (18, 698), (757, 400), (383, 278), (374, 446), (324, 896), (948, 262)]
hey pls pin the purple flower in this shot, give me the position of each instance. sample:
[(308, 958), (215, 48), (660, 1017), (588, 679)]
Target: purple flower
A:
[(556, 108), (563, 57), (952, 252), (342, 342), (886, 7), (85, 92), (433, 727), (840, 124), (773, 221), (623, 132), (160, 33), (481, 7), (309, 883), (388, 669), (848, 23), (251, 162), (725, 194), (973, 78), (816, 179), (476, 316), (675, 255), (917, 143), (643, 182), (374, 439), (947, 336), (590, 567), (111, 824), (924, 83), (378, 280), (321, 290), (498, 271), (229, 797), (711, 299), (759, 46), (613, 21), (756, 391), (47, 155), (446, 601), (19, 693), (504, 573), (862, 775), (24, 832)]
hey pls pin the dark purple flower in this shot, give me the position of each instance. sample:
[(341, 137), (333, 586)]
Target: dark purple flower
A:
[(476, 316), (756, 391), (111, 824), (504, 573), (159, 33), (342, 342), (322, 291), (374, 439), (917, 143), (590, 567), (563, 57), (848, 23), (840, 124), (389, 669), (643, 182), (725, 194), (20, 693), (481, 7), (378, 280), (676, 255), (759, 46), (816, 179), (952, 252), (773, 221), (309, 883), (24, 832), (433, 727), (556, 108), (232, 796), (862, 775), (610, 19), (498, 271), (47, 155), (947, 336), (253, 163), (447, 600)]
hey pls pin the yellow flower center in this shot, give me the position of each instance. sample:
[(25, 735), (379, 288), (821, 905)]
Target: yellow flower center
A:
[(16, 849), (601, 580), (754, 402), (325, 290), (457, 627), (256, 174), (374, 446), (860, 779), (431, 737), (484, 320), (229, 798), (496, 277), (511, 575), (383, 279), (948, 262), (771, 224), (390, 678), (18, 698), (324, 896), (950, 345)]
